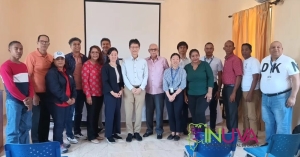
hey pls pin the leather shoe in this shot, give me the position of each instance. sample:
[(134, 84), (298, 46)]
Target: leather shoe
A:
[(147, 134), (129, 138), (138, 137), (185, 132), (159, 136)]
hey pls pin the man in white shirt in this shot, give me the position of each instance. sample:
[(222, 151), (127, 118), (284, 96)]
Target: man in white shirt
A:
[(182, 48), (250, 88), (279, 85), (135, 75), (217, 67)]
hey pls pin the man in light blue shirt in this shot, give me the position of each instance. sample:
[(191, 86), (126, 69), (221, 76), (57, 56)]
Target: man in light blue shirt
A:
[(135, 75)]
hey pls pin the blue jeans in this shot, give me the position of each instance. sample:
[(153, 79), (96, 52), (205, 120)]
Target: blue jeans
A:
[(277, 117), (60, 117), (18, 122), (69, 122)]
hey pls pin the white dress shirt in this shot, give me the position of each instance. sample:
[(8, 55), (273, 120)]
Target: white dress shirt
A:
[(135, 72), (215, 64)]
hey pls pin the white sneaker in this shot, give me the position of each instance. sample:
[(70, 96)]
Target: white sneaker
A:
[(63, 149), (72, 140), (66, 145), (80, 136), (95, 141)]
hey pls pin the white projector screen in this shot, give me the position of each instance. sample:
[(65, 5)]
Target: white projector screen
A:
[(120, 22)]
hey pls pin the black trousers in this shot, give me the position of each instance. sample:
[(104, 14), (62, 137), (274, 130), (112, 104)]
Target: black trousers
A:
[(175, 112), (93, 112), (79, 103), (155, 102), (43, 124), (185, 116), (112, 115), (231, 108), (213, 107), (198, 104)]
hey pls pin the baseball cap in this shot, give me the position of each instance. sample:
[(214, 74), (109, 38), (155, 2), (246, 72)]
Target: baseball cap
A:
[(58, 54)]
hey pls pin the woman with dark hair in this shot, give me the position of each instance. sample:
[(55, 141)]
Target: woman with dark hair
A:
[(61, 92), (200, 82), (113, 85), (174, 82), (92, 88)]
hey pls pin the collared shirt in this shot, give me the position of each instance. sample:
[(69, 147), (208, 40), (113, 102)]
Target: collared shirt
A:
[(276, 79), (215, 64), (173, 79), (184, 62), (135, 72), (38, 66), (156, 70), (233, 67), (77, 71)]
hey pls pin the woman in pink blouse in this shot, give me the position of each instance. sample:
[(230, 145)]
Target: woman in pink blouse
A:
[(92, 88)]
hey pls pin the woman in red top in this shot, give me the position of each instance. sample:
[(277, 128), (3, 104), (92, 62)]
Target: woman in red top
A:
[(92, 88)]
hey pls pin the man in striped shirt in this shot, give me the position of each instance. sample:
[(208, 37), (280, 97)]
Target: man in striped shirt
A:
[(19, 96)]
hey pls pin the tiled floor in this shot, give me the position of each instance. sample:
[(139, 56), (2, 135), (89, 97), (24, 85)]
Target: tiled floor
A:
[(149, 147)]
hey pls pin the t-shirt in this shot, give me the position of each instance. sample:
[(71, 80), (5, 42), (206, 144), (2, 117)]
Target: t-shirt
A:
[(184, 62), (215, 64), (251, 66), (276, 79), (200, 79)]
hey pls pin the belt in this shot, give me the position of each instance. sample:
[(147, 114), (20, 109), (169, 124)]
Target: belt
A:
[(136, 86), (274, 94), (228, 85)]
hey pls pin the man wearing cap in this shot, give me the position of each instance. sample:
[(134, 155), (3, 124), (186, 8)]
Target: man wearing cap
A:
[(74, 62), (38, 64), (279, 85)]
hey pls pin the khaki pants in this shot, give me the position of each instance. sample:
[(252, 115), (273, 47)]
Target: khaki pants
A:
[(250, 111), (133, 103)]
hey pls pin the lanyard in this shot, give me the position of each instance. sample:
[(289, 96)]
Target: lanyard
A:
[(210, 60), (272, 66), (173, 77)]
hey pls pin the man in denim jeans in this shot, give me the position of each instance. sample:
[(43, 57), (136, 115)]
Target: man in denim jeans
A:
[(279, 85), (19, 96)]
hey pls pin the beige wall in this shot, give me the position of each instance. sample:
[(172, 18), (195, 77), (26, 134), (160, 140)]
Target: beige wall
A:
[(194, 21)]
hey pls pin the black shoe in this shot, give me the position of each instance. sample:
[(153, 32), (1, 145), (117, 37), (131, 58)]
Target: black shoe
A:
[(185, 132), (147, 134), (138, 137), (110, 140), (176, 138), (129, 137), (159, 136), (170, 137), (116, 136)]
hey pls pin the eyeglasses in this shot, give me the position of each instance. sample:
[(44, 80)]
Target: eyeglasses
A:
[(44, 42), (152, 50)]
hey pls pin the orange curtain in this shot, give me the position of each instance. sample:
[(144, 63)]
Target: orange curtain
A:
[(253, 26)]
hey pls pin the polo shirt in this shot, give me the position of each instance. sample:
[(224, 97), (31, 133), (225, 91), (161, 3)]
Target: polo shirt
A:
[(276, 79), (38, 66), (215, 64)]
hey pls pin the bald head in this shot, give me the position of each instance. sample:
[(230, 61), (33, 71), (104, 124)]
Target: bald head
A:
[(229, 47), (153, 50), (275, 49)]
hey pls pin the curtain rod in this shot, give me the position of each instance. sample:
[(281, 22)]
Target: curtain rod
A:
[(271, 3)]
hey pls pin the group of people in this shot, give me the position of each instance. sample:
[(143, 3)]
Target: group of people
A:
[(61, 84)]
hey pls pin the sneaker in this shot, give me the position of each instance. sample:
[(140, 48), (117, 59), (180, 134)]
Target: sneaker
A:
[(63, 149), (66, 145), (72, 140), (95, 141), (129, 138), (110, 140), (80, 136), (116, 136)]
